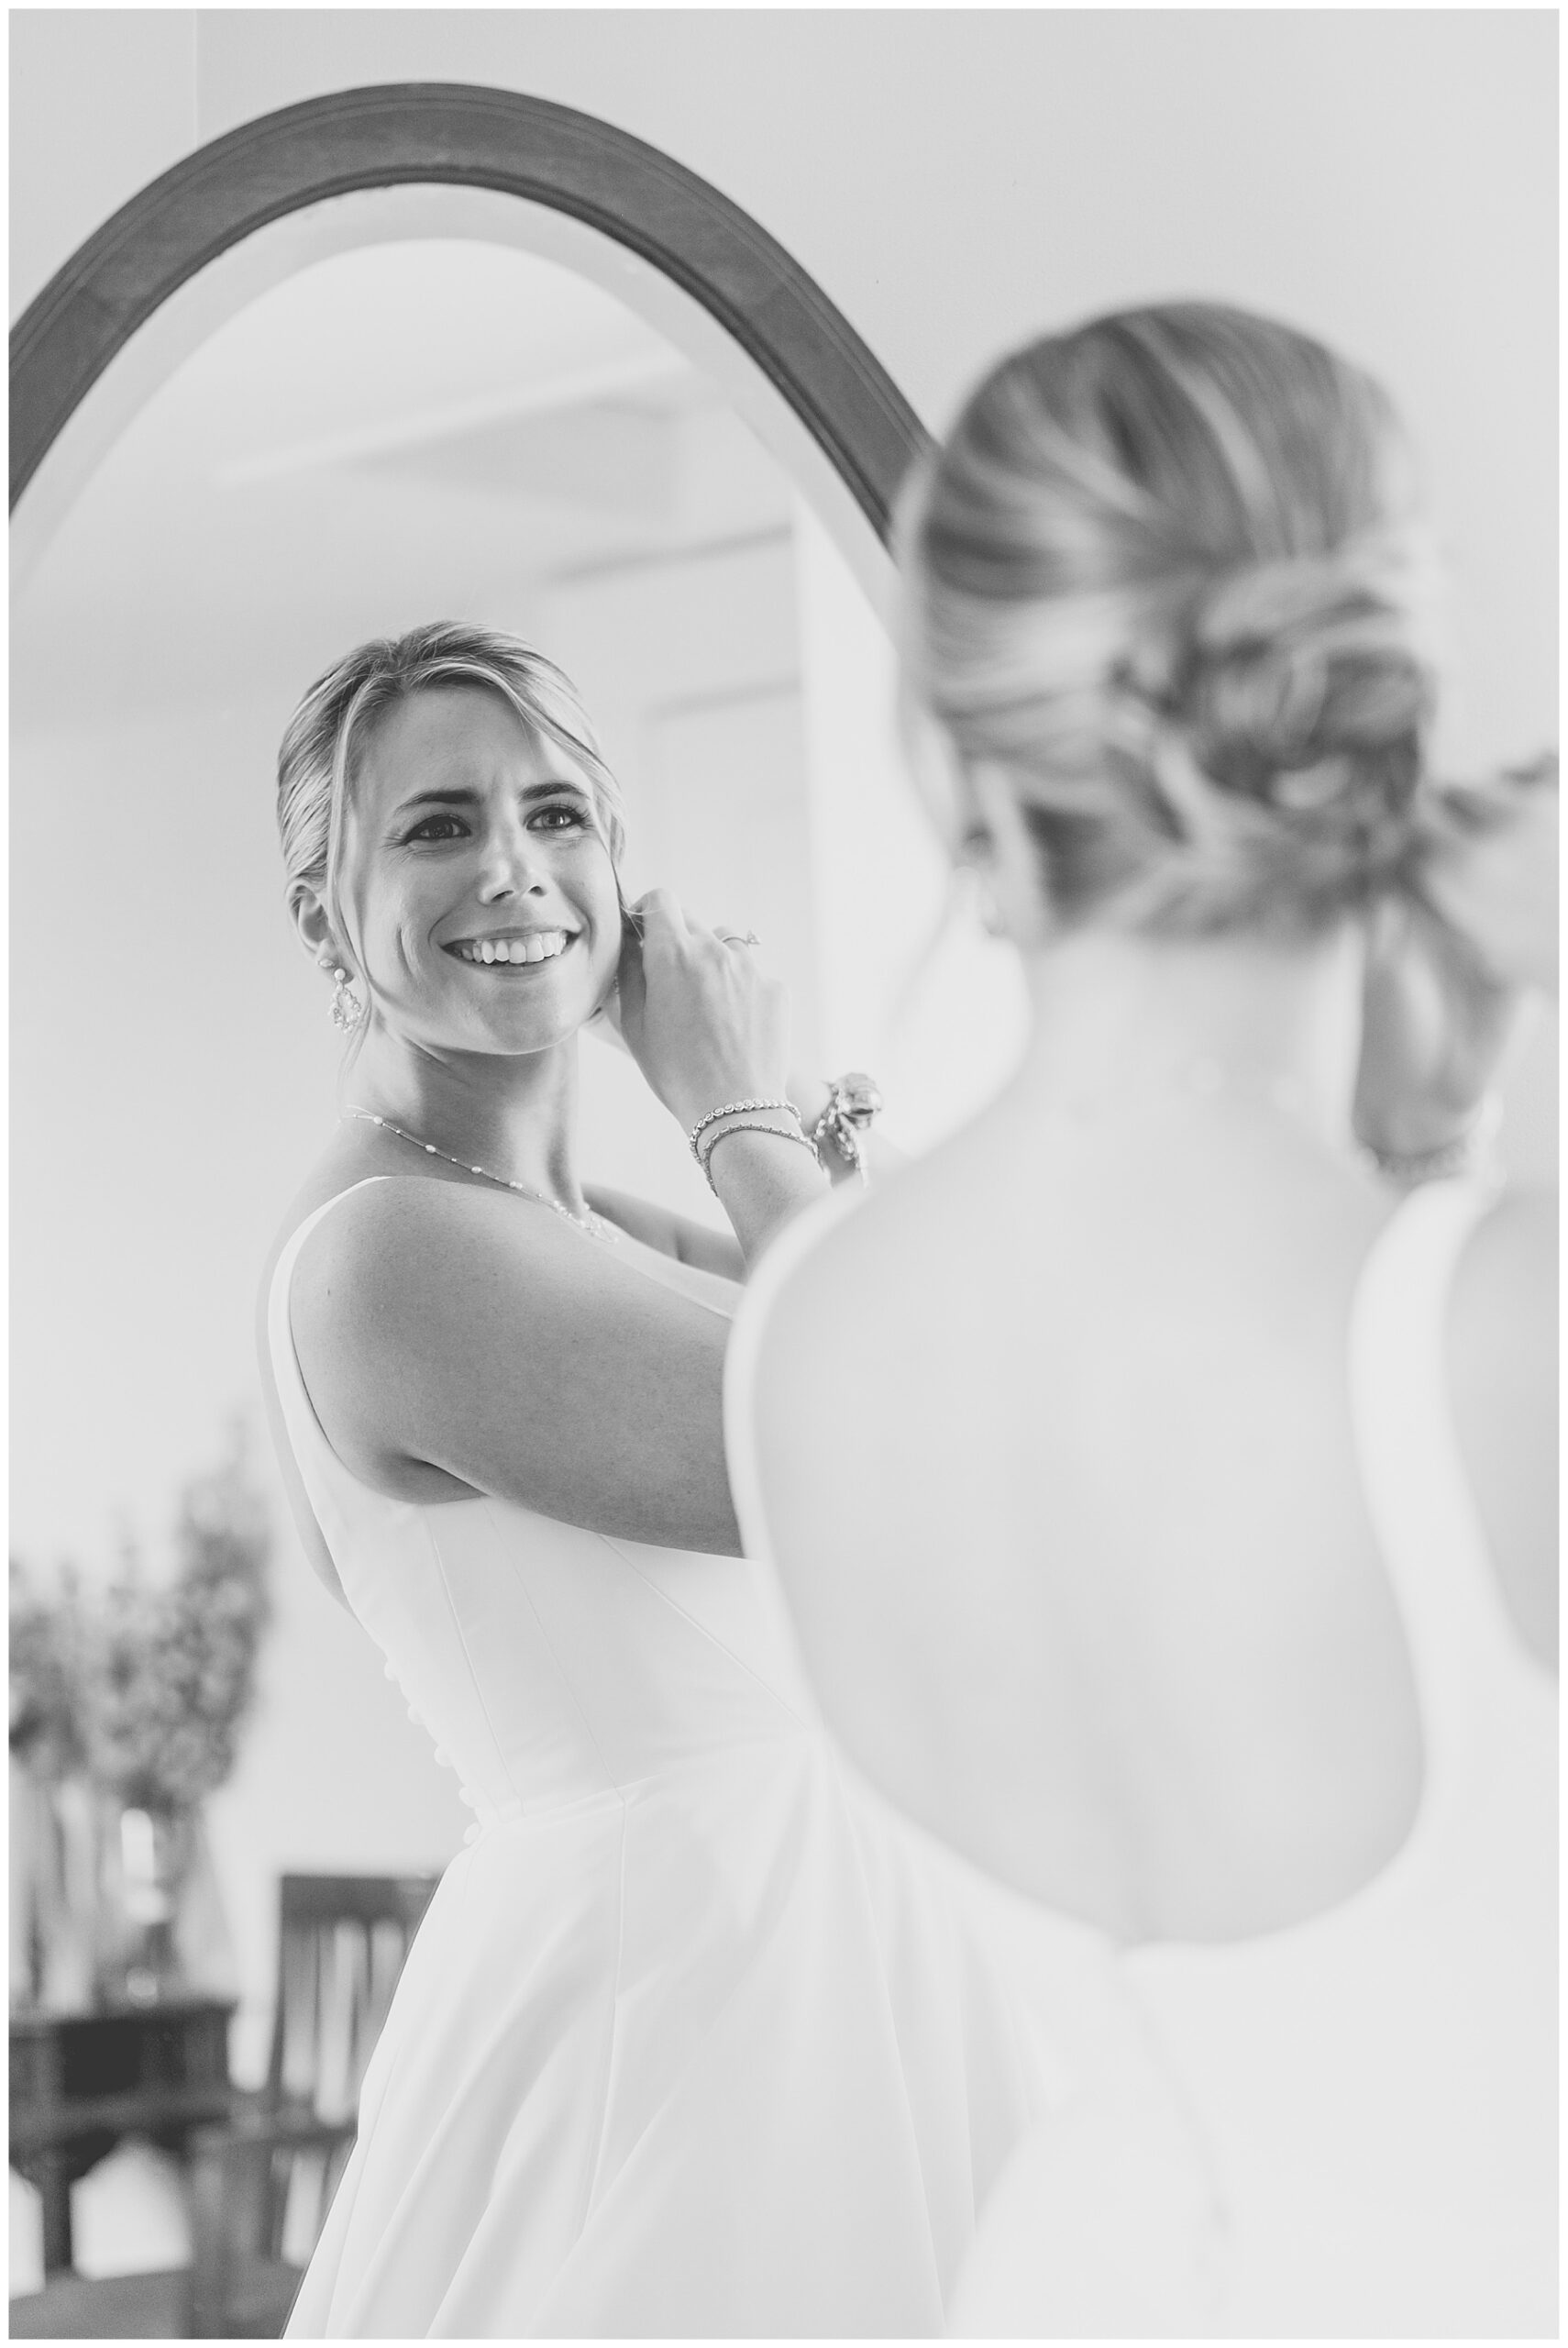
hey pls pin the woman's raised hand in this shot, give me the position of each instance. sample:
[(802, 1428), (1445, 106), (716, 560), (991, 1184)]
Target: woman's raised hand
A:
[(704, 1024)]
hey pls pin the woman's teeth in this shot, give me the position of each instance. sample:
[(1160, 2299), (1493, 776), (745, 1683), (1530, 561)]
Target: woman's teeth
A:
[(537, 948)]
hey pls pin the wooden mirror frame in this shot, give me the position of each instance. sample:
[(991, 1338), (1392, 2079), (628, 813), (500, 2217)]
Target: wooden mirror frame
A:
[(399, 134)]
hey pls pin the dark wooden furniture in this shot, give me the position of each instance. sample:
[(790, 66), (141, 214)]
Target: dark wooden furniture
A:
[(79, 2082), (422, 132), (260, 2169)]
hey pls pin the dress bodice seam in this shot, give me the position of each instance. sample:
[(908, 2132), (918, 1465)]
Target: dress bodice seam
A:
[(594, 2161), (709, 1637)]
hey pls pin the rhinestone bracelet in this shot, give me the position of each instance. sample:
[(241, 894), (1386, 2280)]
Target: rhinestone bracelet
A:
[(736, 1109), (780, 1133)]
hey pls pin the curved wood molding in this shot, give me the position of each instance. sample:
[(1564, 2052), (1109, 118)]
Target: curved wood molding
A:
[(426, 131)]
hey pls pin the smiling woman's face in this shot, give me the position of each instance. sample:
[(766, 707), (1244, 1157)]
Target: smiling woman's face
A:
[(479, 876)]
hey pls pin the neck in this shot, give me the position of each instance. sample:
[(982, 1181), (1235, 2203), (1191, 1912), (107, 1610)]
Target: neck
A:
[(1122, 1022), (514, 1115)]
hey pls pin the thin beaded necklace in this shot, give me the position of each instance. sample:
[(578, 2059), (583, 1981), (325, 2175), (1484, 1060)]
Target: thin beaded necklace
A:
[(594, 1225)]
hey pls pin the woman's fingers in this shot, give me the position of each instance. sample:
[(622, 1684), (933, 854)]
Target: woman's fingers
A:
[(671, 939), (703, 1021), (661, 917)]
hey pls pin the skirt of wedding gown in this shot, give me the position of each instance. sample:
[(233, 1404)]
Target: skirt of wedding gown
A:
[(692, 2040), (637, 2083)]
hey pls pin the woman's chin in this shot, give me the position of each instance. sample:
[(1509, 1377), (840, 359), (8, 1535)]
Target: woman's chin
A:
[(498, 1017), (510, 1029)]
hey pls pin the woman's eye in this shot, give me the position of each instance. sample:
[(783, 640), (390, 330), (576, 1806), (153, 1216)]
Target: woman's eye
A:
[(561, 818), (438, 827)]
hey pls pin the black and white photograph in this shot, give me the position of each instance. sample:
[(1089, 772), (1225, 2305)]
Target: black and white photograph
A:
[(784, 1129)]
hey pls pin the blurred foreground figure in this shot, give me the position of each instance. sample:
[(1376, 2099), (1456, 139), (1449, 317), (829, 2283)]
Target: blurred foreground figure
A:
[(1168, 1522)]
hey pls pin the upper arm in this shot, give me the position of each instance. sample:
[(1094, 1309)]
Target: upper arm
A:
[(437, 1325), (1503, 1374), (707, 1250), (677, 1236)]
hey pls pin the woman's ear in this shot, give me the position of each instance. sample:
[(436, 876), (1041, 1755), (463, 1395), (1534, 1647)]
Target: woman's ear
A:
[(315, 926)]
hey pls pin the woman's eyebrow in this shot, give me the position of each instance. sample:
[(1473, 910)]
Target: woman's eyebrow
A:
[(455, 796), (460, 795)]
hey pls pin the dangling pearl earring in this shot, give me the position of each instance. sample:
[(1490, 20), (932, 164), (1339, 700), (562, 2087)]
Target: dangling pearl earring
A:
[(345, 1010)]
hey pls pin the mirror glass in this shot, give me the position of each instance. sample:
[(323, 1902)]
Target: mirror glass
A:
[(434, 426)]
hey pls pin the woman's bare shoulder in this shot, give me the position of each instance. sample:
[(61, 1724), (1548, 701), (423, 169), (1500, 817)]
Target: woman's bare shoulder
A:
[(457, 1340), (413, 1235)]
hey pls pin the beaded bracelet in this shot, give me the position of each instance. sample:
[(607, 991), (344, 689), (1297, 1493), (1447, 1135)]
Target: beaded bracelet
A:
[(736, 1109), (780, 1133)]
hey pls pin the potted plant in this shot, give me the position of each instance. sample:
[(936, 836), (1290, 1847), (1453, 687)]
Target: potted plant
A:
[(136, 1702)]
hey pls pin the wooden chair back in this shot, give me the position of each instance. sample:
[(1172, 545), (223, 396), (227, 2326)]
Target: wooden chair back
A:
[(342, 1942)]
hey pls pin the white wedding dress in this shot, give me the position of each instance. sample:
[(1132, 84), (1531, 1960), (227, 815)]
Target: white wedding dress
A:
[(1346, 2128), (686, 2044)]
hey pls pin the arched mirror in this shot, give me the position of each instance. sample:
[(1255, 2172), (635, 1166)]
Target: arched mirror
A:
[(309, 390)]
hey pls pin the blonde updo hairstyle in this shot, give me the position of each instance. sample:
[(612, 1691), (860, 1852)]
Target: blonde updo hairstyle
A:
[(323, 749), (1169, 576)]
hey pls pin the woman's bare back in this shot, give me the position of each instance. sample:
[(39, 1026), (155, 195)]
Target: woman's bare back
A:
[(1086, 1518)]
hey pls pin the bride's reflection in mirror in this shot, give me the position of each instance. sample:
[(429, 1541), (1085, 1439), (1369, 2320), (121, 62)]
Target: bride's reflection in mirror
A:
[(404, 432)]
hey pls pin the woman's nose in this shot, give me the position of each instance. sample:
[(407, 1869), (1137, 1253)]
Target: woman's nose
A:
[(512, 867)]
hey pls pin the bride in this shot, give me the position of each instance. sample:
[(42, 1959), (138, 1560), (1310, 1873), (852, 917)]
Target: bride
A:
[(1169, 1528), (679, 2048)]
